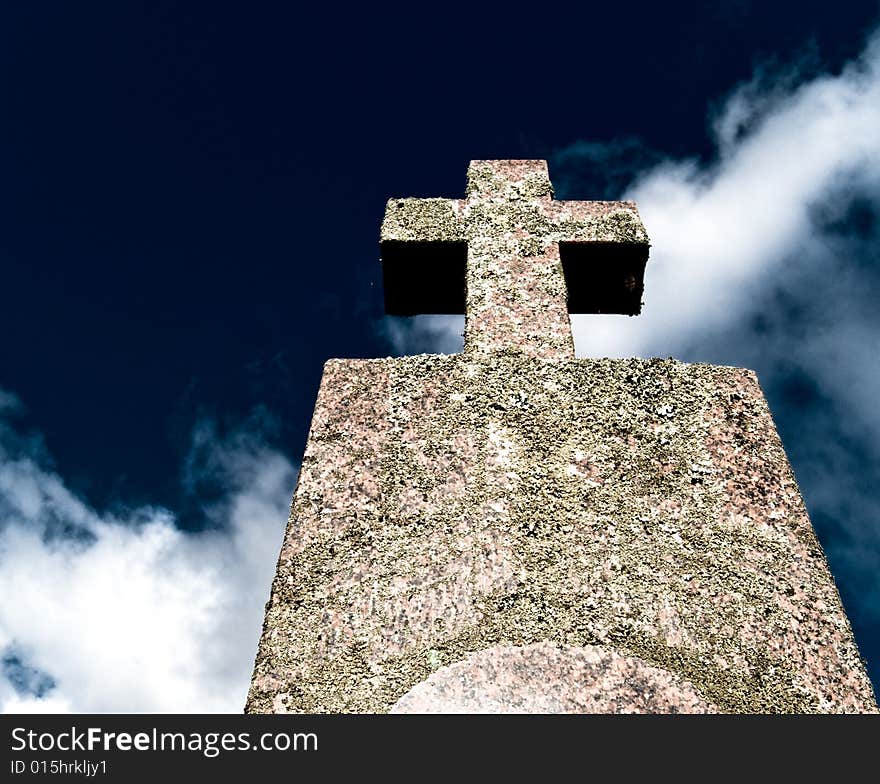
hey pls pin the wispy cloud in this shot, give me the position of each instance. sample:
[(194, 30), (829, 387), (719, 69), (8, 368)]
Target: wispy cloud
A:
[(129, 612), (423, 334), (789, 156)]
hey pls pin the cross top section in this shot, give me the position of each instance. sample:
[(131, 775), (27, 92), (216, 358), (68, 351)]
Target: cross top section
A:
[(514, 260)]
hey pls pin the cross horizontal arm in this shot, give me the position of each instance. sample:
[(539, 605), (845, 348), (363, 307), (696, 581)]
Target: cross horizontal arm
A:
[(422, 220), (596, 221), (424, 257)]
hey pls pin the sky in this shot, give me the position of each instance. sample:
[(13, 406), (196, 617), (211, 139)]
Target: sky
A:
[(191, 199)]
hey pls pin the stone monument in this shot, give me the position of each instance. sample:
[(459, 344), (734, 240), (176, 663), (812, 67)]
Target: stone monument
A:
[(512, 529)]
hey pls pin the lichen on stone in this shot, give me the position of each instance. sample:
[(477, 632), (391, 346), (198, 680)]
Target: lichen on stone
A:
[(421, 220)]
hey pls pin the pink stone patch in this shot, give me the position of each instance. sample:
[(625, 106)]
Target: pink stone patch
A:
[(545, 678)]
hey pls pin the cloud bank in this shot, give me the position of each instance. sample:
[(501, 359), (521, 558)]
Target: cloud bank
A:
[(766, 256), (129, 613)]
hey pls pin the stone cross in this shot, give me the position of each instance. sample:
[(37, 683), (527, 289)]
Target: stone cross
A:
[(514, 260)]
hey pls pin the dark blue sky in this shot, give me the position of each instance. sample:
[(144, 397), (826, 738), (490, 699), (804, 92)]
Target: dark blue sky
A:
[(191, 193)]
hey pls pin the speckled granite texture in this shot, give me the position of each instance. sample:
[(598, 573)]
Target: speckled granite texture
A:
[(449, 504), (514, 529)]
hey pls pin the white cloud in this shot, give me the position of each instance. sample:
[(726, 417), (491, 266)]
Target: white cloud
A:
[(717, 231), (131, 613), (423, 334)]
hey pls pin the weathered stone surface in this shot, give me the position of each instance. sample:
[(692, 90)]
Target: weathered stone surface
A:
[(452, 504), (545, 678)]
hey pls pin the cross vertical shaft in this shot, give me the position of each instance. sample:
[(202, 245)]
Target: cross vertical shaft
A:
[(516, 294)]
